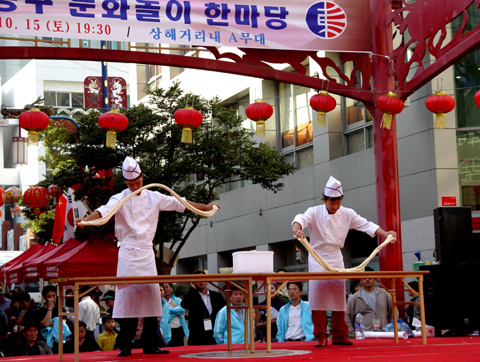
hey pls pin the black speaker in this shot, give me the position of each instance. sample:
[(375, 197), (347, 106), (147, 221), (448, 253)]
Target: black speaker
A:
[(451, 302), (453, 235)]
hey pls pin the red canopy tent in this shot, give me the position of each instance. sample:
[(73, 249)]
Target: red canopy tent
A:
[(13, 274), (32, 268), (96, 258), (24, 256)]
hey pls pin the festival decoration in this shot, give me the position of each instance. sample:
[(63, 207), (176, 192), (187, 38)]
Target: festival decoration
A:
[(3, 198), (389, 104), (259, 112), (33, 121), (477, 99), (36, 197), (322, 103), (440, 103), (188, 118), (55, 192), (112, 122), (14, 195)]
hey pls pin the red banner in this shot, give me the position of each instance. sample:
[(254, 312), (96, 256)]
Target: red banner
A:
[(93, 92)]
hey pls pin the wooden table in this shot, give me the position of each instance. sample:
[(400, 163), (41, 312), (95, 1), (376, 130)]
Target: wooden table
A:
[(247, 279)]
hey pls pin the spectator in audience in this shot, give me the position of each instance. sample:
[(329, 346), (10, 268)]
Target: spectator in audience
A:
[(413, 311), (165, 319), (86, 344), (5, 336), (27, 313), (106, 340), (4, 301), (88, 310), (203, 306), (31, 346), (375, 305), (178, 323), (109, 299), (294, 321), (13, 311), (261, 315), (220, 331), (43, 316), (355, 286)]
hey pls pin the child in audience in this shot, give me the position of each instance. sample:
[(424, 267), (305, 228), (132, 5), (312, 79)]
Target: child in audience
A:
[(106, 340)]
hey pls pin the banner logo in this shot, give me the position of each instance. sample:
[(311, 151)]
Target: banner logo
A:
[(326, 19)]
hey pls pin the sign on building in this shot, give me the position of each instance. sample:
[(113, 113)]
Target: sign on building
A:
[(93, 92)]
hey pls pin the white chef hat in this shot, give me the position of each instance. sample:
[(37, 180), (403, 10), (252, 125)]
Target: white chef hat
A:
[(131, 169), (333, 188)]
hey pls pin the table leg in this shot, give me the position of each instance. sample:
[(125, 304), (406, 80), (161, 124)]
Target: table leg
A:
[(250, 316), (60, 322), (269, 315), (422, 309), (395, 316), (75, 332)]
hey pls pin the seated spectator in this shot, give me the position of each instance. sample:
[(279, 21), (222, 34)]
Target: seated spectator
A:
[(220, 331), (261, 315), (13, 310), (294, 321), (375, 304), (31, 346), (106, 340), (413, 311), (88, 310), (109, 299), (355, 286), (203, 306), (27, 313), (4, 301), (85, 344)]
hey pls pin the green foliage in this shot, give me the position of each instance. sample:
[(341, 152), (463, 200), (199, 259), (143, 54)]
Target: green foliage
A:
[(223, 151)]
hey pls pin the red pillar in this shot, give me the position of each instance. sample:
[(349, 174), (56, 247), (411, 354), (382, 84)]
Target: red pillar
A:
[(385, 143)]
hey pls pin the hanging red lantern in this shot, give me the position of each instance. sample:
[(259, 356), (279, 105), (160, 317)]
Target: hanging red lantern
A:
[(76, 187), (188, 118), (33, 121), (440, 103), (259, 112), (55, 191), (112, 122), (389, 104), (13, 195), (36, 197), (322, 103), (477, 99)]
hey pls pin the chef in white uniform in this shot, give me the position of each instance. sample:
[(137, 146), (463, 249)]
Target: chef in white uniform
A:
[(328, 225), (135, 227)]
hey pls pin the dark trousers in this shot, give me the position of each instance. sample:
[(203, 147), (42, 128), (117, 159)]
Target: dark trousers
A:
[(128, 329), (177, 337)]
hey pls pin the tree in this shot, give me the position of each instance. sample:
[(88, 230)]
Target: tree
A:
[(223, 152)]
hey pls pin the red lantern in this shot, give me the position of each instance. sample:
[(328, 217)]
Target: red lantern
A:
[(55, 191), (112, 122), (477, 99), (322, 103), (36, 197), (440, 103), (389, 104), (34, 122), (76, 187), (259, 112), (13, 195), (188, 118)]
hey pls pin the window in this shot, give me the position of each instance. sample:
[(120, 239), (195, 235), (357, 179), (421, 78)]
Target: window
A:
[(64, 99), (467, 78), (358, 126), (295, 124)]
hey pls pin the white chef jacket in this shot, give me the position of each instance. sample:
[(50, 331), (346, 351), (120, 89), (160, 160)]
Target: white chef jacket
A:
[(327, 236), (135, 227)]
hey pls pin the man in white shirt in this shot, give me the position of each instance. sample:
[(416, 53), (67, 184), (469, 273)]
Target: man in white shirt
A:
[(294, 322), (88, 311)]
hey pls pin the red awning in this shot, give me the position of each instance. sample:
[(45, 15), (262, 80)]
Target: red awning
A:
[(96, 258), (13, 274), (32, 268), (19, 259)]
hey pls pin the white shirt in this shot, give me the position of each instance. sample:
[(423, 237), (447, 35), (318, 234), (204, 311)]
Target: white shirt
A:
[(89, 312), (327, 236), (135, 227), (294, 327), (206, 300)]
